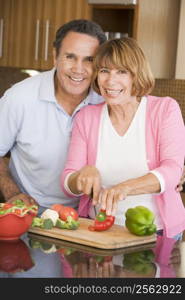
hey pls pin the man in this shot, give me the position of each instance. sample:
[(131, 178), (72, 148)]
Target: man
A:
[(36, 117)]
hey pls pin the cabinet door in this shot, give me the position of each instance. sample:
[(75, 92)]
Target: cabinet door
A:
[(4, 30), (157, 34), (25, 33), (55, 14)]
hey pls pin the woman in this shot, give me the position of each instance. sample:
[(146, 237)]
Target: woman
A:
[(130, 149)]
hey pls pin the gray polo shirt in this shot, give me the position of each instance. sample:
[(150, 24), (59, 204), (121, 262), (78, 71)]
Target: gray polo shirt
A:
[(36, 129)]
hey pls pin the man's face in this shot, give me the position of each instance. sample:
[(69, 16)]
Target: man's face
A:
[(74, 64)]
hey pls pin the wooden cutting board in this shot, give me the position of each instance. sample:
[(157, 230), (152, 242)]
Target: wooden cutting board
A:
[(114, 238)]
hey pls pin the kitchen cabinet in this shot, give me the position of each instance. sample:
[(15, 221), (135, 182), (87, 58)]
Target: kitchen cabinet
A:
[(116, 19), (157, 32), (4, 30), (23, 35), (31, 29), (56, 13), (180, 66), (153, 23)]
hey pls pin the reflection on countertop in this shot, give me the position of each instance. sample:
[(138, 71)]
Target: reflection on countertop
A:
[(40, 257)]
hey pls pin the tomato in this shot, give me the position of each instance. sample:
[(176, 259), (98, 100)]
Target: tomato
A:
[(57, 207), (68, 211), (7, 205), (17, 211), (65, 211)]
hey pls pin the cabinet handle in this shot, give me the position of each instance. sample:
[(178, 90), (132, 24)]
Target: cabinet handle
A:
[(1, 37), (46, 41), (37, 33)]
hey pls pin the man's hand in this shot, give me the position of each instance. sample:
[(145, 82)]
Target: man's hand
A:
[(179, 187), (28, 200)]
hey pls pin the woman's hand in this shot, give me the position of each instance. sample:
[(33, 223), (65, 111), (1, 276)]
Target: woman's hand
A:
[(89, 182), (109, 198)]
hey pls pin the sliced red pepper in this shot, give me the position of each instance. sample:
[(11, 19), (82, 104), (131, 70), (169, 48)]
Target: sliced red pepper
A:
[(104, 224)]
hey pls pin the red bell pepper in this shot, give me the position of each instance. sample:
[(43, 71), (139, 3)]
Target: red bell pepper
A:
[(102, 222)]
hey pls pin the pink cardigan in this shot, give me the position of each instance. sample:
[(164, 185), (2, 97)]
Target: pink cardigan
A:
[(165, 148)]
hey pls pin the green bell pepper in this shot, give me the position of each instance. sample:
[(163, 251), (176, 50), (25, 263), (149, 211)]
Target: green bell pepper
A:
[(141, 262), (140, 221)]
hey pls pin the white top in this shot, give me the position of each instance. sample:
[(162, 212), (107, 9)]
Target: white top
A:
[(36, 129), (120, 158)]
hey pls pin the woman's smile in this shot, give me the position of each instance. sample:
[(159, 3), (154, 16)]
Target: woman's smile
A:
[(113, 92)]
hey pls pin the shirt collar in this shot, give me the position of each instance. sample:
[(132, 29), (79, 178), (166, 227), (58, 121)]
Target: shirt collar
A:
[(47, 90)]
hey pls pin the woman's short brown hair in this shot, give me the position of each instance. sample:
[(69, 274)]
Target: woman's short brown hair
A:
[(125, 54)]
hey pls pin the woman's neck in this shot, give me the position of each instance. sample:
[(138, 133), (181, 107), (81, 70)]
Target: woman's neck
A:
[(122, 115), (123, 111)]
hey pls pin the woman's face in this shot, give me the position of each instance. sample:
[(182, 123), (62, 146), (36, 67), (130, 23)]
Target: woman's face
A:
[(115, 85)]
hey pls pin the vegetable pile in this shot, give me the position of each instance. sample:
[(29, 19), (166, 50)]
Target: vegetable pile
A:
[(102, 222), (63, 217), (140, 221), (18, 207)]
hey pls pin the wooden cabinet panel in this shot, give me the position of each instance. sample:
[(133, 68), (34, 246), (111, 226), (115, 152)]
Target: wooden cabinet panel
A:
[(157, 34), (30, 29), (22, 36), (5, 7), (55, 14)]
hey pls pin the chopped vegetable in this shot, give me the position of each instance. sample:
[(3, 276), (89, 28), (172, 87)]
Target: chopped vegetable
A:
[(65, 211), (61, 224), (57, 207), (37, 222), (18, 203), (42, 223), (48, 217), (50, 214), (48, 224), (18, 207), (140, 221), (102, 222), (69, 224)]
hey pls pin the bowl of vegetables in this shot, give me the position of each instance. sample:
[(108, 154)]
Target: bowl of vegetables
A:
[(15, 219)]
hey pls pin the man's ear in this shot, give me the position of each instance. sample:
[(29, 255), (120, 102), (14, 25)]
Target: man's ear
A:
[(54, 57)]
